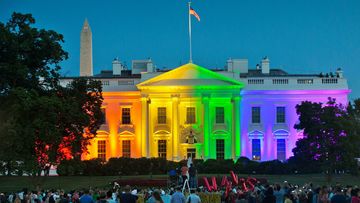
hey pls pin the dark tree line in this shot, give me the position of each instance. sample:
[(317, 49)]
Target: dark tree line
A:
[(331, 135), (41, 122)]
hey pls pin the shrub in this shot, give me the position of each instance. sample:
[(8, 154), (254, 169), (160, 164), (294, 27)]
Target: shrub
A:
[(70, 167)]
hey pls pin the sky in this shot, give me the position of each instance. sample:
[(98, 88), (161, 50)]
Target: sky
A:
[(299, 36)]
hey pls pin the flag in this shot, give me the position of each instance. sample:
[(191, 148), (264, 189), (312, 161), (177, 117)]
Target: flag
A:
[(192, 12)]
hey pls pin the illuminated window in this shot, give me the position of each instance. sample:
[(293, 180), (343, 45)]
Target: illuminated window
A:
[(126, 148), (102, 150), (280, 114), (190, 115), (220, 149), (103, 116), (162, 115), (125, 116), (162, 148), (191, 152), (220, 115), (256, 149), (255, 114), (281, 149)]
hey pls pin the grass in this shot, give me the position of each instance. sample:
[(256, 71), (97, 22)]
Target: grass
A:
[(13, 184)]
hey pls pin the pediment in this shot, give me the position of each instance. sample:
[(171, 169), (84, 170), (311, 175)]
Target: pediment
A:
[(126, 133), (191, 75)]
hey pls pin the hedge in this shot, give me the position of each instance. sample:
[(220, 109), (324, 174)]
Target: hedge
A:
[(146, 166)]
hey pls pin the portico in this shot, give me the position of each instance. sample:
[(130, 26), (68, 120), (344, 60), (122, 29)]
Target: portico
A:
[(190, 111)]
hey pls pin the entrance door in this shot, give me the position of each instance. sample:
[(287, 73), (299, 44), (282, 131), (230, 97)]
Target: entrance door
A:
[(191, 152)]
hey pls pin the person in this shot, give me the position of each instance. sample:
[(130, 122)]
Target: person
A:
[(287, 198), (323, 195), (355, 195), (127, 197), (102, 198), (173, 177), (269, 196), (279, 194), (338, 197), (193, 197), (109, 198), (178, 196), (184, 173), (155, 198), (192, 176), (86, 198)]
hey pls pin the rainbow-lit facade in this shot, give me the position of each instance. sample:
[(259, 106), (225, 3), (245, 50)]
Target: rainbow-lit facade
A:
[(194, 111)]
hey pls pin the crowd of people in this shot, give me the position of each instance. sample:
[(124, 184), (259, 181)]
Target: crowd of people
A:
[(262, 193), (185, 189)]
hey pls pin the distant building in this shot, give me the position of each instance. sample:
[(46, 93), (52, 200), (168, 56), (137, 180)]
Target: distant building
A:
[(194, 111)]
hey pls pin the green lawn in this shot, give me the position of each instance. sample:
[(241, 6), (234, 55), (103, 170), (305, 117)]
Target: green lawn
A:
[(8, 184)]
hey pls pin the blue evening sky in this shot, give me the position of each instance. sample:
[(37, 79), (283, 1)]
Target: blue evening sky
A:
[(299, 36)]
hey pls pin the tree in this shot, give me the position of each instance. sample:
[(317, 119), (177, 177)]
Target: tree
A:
[(41, 122), (327, 138)]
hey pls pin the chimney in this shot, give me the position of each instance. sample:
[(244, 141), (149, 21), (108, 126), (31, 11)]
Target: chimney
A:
[(229, 64), (237, 65), (149, 66), (339, 73), (117, 67), (265, 65)]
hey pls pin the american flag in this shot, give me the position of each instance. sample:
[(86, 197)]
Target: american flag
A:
[(192, 12)]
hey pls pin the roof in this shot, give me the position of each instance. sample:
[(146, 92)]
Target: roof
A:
[(192, 75), (274, 73), (109, 74)]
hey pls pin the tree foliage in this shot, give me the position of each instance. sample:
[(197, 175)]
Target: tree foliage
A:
[(41, 122), (329, 139)]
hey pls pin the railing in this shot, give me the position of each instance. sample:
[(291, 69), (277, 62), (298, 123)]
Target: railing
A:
[(280, 81), (305, 81), (256, 81), (329, 81)]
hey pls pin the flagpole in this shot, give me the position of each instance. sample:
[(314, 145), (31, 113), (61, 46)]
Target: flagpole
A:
[(190, 47)]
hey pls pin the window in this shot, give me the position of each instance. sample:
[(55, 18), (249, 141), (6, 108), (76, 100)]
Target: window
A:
[(280, 114), (125, 112), (255, 114), (191, 152), (126, 148), (103, 117), (220, 149), (190, 115), (219, 115), (102, 150), (256, 149), (281, 149), (162, 115), (162, 148)]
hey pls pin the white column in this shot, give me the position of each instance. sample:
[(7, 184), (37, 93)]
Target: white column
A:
[(175, 127), (206, 127), (236, 146), (144, 127)]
